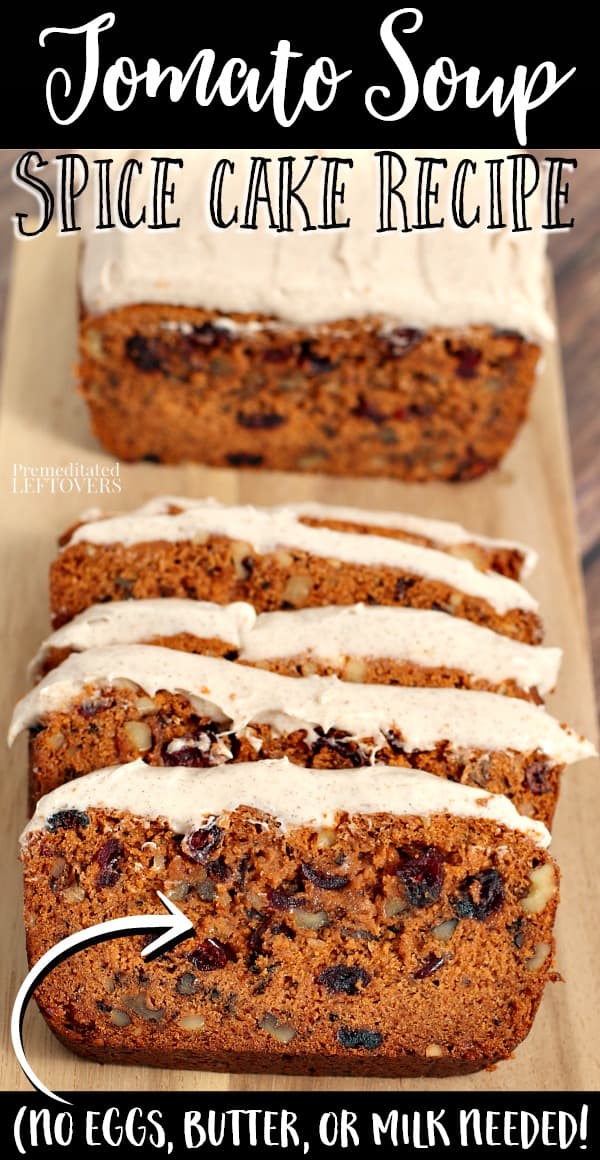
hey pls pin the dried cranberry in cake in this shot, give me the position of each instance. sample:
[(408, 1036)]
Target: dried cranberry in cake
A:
[(468, 359), (359, 1037), (285, 898), (211, 955), (200, 843), (144, 353), (109, 858), (429, 966), (479, 896), (422, 875), (344, 979), (193, 756), (321, 880), (195, 751), (536, 777), (67, 820)]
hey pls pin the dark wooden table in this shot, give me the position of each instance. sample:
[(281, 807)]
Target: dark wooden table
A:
[(575, 257)]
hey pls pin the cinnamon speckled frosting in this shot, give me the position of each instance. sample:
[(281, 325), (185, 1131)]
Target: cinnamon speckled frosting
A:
[(226, 691), (267, 529), (188, 797), (441, 532), (331, 634), (423, 278)]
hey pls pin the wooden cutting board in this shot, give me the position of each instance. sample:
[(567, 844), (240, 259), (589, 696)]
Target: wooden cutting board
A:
[(44, 424)]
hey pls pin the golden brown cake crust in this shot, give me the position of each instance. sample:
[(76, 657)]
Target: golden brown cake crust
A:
[(110, 725), (382, 945), (170, 384)]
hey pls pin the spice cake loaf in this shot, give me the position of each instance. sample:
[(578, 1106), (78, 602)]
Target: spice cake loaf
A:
[(108, 705), (370, 644), (379, 922), (274, 560), (407, 354)]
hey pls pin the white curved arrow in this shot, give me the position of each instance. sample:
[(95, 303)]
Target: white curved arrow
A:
[(175, 926)]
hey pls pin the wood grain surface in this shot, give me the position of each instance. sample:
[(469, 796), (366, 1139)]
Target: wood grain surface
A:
[(530, 498)]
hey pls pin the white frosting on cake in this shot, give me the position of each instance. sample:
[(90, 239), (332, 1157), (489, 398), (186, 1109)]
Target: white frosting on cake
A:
[(188, 797), (334, 633), (241, 695), (266, 530), (423, 278), (132, 621), (420, 636), (442, 532)]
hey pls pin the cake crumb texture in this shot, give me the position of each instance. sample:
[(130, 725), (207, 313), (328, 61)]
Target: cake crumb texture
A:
[(379, 945), (172, 384)]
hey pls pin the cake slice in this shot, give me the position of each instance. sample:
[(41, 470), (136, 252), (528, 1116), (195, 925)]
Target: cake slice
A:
[(273, 560), (358, 642), (111, 704), (189, 625), (379, 644), (363, 922)]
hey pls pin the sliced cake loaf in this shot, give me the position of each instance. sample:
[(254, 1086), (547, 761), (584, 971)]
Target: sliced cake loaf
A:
[(380, 644), (377, 644), (273, 560), (111, 704), (396, 352), (360, 922)]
